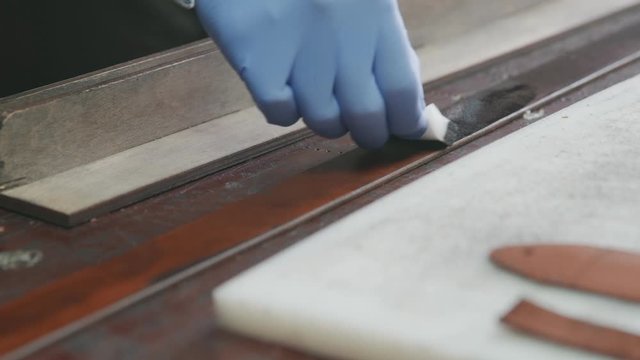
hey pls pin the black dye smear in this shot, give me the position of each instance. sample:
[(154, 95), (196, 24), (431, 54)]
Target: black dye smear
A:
[(486, 107)]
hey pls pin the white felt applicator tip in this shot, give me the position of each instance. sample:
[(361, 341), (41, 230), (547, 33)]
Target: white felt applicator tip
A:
[(439, 127)]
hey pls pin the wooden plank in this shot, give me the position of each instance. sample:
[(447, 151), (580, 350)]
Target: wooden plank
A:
[(409, 276), (49, 132), (79, 194), (98, 286)]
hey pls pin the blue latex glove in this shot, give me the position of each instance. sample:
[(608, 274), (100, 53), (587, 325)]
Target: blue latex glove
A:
[(342, 65)]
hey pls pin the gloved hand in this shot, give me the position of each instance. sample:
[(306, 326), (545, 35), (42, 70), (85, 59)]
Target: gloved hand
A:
[(343, 65)]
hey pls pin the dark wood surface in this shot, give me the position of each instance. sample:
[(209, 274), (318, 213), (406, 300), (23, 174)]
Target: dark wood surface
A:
[(85, 269), (48, 212), (97, 286)]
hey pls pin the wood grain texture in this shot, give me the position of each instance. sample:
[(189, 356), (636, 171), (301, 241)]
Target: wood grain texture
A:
[(95, 287), (546, 324), (110, 112)]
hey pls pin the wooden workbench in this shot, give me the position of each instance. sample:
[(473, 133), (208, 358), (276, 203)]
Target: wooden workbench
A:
[(136, 282)]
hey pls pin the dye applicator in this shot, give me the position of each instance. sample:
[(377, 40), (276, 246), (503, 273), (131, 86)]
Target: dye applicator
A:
[(475, 112)]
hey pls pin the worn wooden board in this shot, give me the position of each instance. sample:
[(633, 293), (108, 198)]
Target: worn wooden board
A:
[(409, 276), (49, 131), (83, 192)]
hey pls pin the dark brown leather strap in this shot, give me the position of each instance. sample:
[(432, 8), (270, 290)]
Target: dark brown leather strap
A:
[(543, 323), (599, 270)]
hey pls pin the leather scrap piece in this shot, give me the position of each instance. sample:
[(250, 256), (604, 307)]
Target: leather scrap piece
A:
[(540, 322), (593, 269)]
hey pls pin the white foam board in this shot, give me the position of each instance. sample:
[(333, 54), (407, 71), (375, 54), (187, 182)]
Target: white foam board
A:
[(408, 276)]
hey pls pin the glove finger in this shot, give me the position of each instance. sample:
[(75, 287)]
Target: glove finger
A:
[(266, 73), (361, 104), (264, 57), (398, 77), (312, 81), (362, 109), (280, 108)]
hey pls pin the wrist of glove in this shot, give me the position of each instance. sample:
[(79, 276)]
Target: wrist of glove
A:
[(344, 66)]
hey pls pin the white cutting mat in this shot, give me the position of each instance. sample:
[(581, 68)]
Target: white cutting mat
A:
[(408, 276)]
